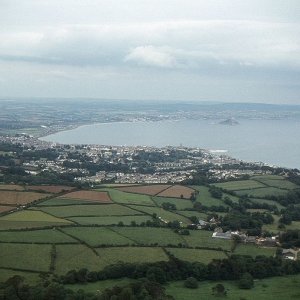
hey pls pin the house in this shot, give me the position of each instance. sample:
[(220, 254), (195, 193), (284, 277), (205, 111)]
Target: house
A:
[(250, 239), (222, 235), (267, 242), (289, 254)]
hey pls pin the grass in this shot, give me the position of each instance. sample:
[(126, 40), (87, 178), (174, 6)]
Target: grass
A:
[(150, 236), (196, 255), (36, 236), (205, 197), (240, 185), (253, 250), (69, 257), (30, 278), (96, 236), (281, 184), (89, 210), (274, 227), (263, 192), (203, 238), (32, 215), (267, 177), (179, 203), (190, 213), (166, 216), (128, 198), (269, 202), (110, 220), (132, 255), (30, 219), (276, 181), (29, 257), (275, 288), (62, 202)]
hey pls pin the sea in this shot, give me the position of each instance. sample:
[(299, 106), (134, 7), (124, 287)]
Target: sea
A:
[(275, 142)]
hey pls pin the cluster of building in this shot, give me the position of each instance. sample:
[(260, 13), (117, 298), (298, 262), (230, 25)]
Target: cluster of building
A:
[(169, 165)]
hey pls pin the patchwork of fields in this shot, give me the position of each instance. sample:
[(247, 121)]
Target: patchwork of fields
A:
[(53, 229)]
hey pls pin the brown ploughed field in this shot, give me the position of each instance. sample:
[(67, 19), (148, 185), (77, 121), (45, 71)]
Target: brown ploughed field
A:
[(177, 191), (145, 189), (20, 198)]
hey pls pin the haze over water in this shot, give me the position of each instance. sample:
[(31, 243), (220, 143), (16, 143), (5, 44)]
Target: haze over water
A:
[(271, 141)]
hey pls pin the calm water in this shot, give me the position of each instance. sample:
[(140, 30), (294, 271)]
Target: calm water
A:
[(272, 141)]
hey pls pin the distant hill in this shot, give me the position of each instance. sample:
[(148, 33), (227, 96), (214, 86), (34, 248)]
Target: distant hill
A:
[(230, 122)]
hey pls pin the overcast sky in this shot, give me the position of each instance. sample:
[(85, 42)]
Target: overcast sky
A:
[(218, 50)]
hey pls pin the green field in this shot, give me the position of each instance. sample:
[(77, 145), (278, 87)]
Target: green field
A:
[(63, 201), (70, 257), (89, 210), (179, 203), (203, 238), (267, 177), (150, 236), (275, 288), (253, 250), (128, 198), (274, 227), (96, 236), (29, 257), (29, 277), (132, 255), (110, 220), (49, 236), (30, 219), (205, 197), (281, 184), (203, 256), (262, 192), (190, 213), (166, 215), (32, 216), (269, 202), (240, 185)]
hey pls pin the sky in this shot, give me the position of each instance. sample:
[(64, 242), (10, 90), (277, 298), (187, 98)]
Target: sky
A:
[(191, 50)]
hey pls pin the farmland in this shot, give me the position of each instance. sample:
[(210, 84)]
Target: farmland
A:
[(100, 197), (70, 257), (110, 220), (88, 210), (11, 187), (96, 228), (179, 203), (147, 189), (177, 191), (240, 185), (20, 198), (262, 192), (53, 189), (34, 257), (131, 255), (203, 239), (96, 236), (276, 288), (150, 236), (198, 255), (45, 236), (128, 198)]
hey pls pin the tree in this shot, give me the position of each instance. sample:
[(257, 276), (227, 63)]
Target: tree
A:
[(246, 281), (191, 283), (219, 290)]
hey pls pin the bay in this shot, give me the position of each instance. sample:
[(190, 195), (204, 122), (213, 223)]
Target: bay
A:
[(275, 142)]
